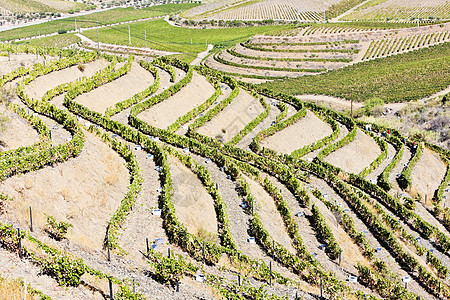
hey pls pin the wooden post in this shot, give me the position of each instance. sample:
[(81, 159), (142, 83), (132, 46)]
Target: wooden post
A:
[(31, 221), (239, 279), (145, 35), (20, 243), (134, 287), (253, 210), (178, 286), (270, 272), (321, 288), (148, 249), (168, 252), (340, 256), (111, 296), (203, 252), (107, 246)]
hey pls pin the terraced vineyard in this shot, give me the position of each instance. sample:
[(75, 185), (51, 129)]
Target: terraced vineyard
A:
[(188, 184), (267, 57), (400, 10), (290, 10), (387, 47)]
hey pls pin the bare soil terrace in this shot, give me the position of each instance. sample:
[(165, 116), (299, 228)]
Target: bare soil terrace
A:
[(233, 118), (88, 207), (304, 132), (167, 112)]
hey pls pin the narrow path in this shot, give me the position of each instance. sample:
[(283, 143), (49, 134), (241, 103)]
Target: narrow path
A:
[(202, 55)]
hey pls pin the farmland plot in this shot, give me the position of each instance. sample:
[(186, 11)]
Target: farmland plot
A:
[(73, 191), (17, 132), (193, 205), (400, 10), (427, 174), (233, 118), (47, 82), (355, 156), (136, 80), (262, 10), (167, 112), (304, 132)]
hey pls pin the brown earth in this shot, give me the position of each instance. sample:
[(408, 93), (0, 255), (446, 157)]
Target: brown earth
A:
[(233, 118), (167, 112), (73, 191), (304, 132), (355, 156), (135, 81), (194, 206)]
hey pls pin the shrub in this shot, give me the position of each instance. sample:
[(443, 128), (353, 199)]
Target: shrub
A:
[(57, 230), (62, 31)]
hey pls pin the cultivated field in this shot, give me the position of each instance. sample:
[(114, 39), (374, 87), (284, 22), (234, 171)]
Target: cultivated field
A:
[(145, 177), (400, 10)]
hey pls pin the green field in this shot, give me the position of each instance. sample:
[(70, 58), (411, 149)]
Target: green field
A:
[(105, 17), (162, 36), (55, 41), (399, 78)]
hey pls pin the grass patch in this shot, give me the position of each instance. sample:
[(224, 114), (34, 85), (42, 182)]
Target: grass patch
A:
[(56, 41), (162, 36), (399, 78), (87, 21)]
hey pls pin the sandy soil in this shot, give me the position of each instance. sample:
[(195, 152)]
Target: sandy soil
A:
[(357, 155), (194, 207), (17, 133), (40, 85), (270, 217), (73, 191), (427, 174), (233, 118), (135, 81), (304, 132), (15, 61), (167, 112)]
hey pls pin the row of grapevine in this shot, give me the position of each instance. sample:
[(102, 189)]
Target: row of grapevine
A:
[(386, 47)]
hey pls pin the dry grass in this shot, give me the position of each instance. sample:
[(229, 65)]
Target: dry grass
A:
[(13, 289), (425, 122)]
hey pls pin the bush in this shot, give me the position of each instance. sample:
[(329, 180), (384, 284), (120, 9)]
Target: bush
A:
[(372, 106), (57, 230), (62, 31)]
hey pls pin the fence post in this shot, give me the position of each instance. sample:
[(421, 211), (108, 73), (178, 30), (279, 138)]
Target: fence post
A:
[(31, 221), (20, 243), (111, 296), (107, 246), (270, 273)]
